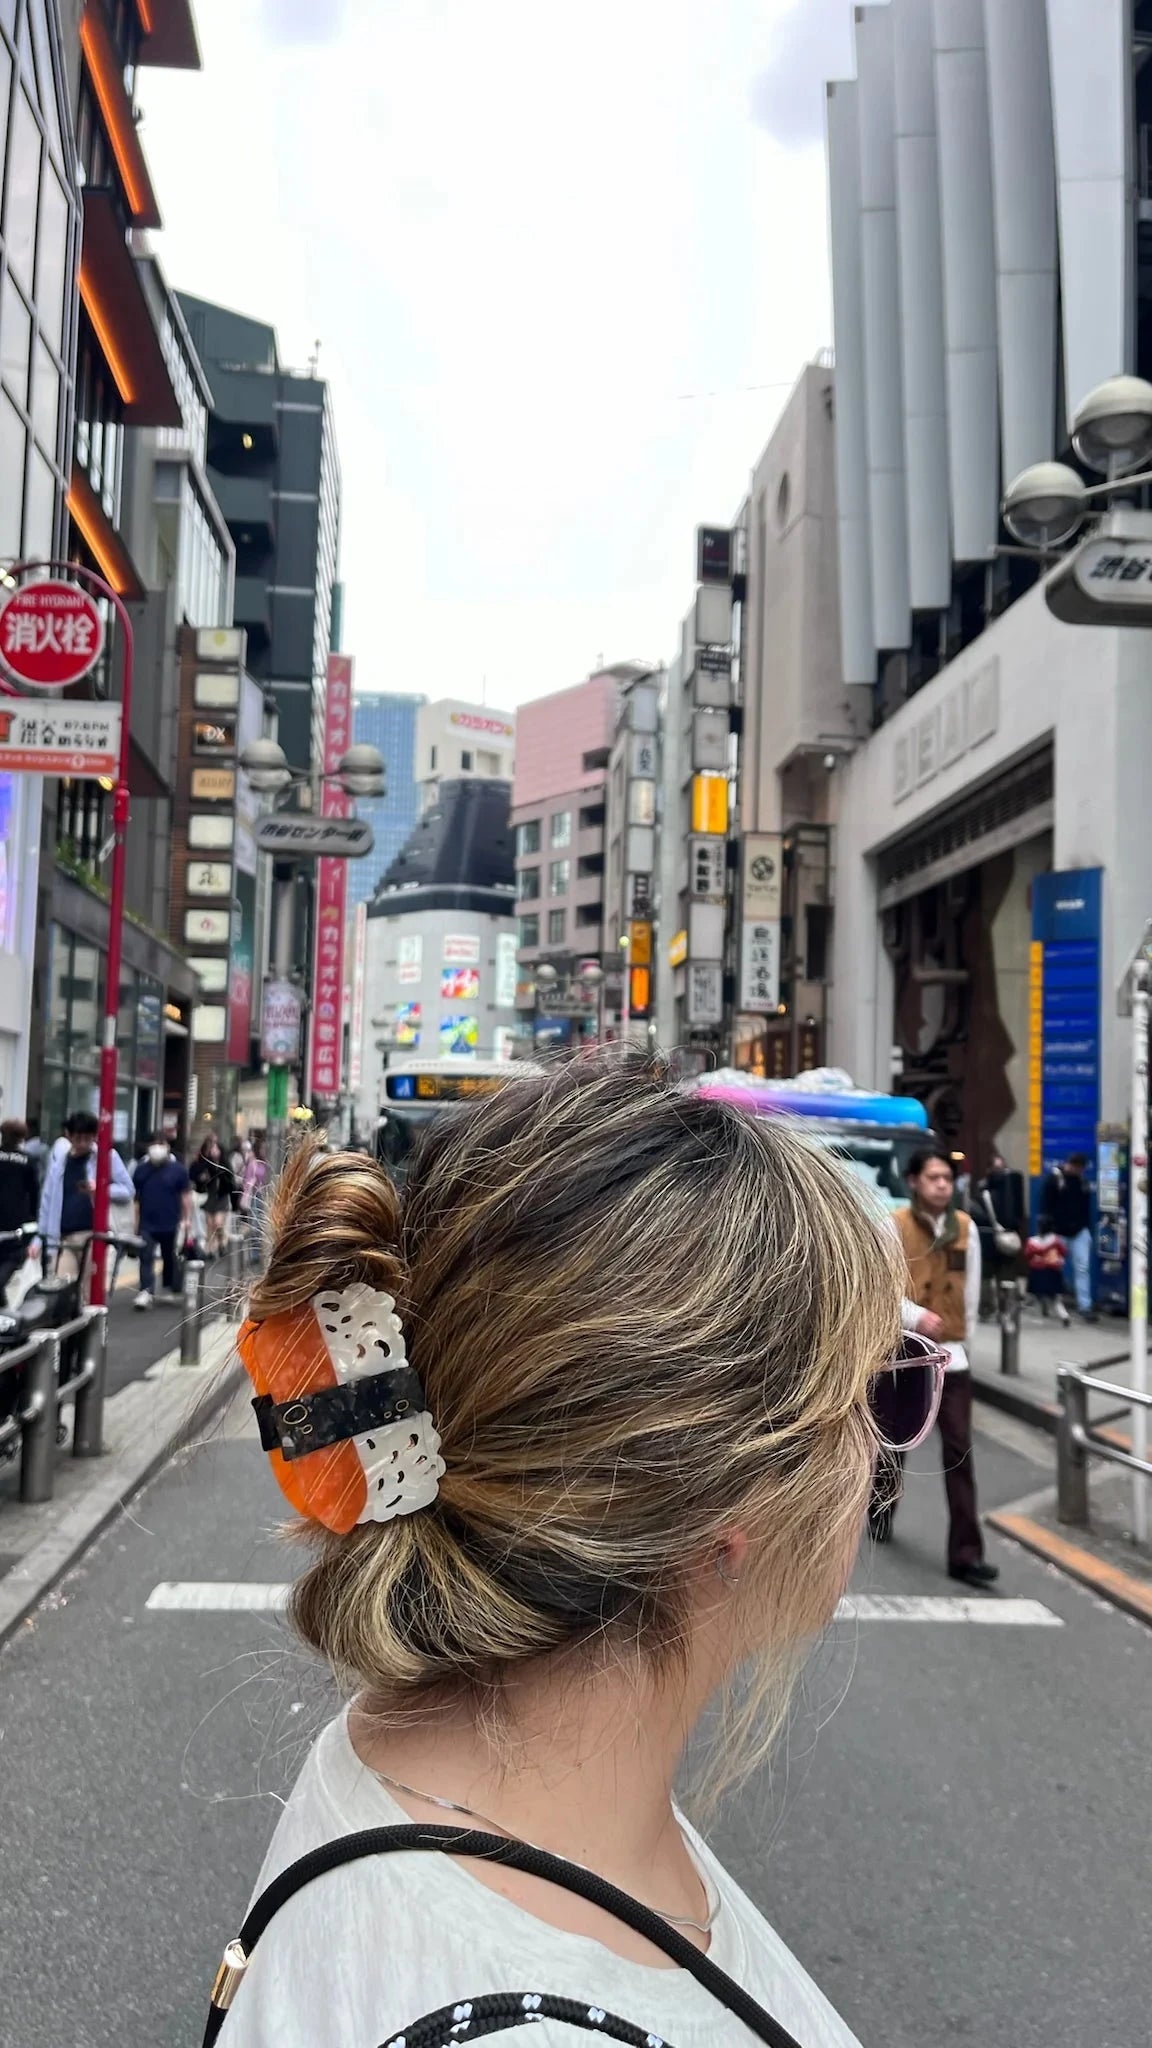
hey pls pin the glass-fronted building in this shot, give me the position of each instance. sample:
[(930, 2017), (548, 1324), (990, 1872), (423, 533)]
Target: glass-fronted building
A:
[(39, 239), (387, 720)]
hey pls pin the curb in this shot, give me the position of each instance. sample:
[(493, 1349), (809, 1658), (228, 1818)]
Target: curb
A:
[(1121, 1588), (161, 1420)]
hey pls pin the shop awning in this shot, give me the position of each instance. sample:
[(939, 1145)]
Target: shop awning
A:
[(102, 540), (169, 35)]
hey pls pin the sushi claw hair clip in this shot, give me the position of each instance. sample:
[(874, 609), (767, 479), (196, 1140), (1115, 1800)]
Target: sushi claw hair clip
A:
[(340, 1411)]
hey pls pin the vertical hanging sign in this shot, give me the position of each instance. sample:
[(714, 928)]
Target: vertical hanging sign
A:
[(326, 1035)]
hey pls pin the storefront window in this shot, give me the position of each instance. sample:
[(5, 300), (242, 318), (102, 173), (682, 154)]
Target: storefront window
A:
[(84, 1018), (71, 1075)]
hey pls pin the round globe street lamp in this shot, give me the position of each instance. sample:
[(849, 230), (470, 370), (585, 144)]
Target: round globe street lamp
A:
[(1112, 427), (265, 764), (360, 771), (1045, 505)]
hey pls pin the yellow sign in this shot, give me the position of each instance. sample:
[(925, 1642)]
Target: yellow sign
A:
[(1035, 1059), (678, 950), (710, 803), (214, 785), (640, 944)]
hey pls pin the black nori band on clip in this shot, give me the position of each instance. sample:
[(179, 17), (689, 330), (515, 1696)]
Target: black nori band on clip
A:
[(332, 1415)]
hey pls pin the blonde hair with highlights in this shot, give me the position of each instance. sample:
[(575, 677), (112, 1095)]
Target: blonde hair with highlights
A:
[(643, 1320)]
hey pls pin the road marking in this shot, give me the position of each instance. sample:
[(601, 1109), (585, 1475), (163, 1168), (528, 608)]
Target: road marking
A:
[(244, 1596), (205, 1596), (992, 1612)]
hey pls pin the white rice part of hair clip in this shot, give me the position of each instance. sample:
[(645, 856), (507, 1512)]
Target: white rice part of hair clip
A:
[(401, 1462)]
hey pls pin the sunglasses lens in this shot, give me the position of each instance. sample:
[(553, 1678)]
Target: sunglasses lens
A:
[(902, 1402)]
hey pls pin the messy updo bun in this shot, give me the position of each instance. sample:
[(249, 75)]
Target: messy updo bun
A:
[(642, 1319)]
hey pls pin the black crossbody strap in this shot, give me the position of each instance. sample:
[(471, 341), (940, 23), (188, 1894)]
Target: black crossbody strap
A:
[(493, 1849)]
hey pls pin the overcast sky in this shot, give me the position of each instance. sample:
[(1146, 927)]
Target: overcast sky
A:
[(563, 265)]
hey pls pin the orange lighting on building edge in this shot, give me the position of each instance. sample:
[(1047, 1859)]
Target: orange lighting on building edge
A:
[(144, 10), (116, 109), (94, 541), (103, 335)]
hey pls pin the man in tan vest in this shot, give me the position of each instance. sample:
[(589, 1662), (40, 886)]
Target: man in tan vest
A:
[(942, 1252)]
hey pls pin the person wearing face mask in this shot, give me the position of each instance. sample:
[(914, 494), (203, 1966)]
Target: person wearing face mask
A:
[(163, 1209)]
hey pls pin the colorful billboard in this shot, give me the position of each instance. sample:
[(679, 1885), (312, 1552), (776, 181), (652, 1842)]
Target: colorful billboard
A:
[(407, 1023), (459, 1034), (460, 984)]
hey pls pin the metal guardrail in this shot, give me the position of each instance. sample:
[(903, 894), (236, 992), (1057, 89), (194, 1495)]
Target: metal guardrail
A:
[(1077, 1438), (34, 1420)]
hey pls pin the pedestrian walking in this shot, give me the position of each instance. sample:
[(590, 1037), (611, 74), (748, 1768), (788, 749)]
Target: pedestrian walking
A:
[(1066, 1201), (19, 1197), (213, 1182), (163, 1213), (253, 1188), (999, 1213), (941, 1248), (627, 1335), (67, 1200), (1044, 1256)]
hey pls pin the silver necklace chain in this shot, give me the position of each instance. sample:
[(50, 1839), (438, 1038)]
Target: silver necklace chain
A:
[(470, 1813)]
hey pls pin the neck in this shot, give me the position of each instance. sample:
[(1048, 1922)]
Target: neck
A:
[(586, 1771)]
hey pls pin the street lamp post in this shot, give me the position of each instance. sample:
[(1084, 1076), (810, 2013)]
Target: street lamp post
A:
[(588, 979), (73, 572), (359, 772), (1045, 508)]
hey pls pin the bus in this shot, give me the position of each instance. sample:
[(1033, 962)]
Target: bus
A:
[(417, 1090), (875, 1135)]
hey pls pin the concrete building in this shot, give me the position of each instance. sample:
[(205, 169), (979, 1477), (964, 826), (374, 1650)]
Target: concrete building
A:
[(273, 466), (387, 720), (564, 744), (630, 837), (456, 740), (440, 941), (989, 179)]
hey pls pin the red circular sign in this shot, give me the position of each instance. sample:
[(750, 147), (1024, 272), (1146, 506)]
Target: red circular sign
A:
[(51, 634)]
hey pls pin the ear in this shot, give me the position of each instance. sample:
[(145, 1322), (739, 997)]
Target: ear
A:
[(732, 1556)]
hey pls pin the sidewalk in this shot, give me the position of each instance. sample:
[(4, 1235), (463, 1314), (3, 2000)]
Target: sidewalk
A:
[(1031, 1393), (154, 1406)]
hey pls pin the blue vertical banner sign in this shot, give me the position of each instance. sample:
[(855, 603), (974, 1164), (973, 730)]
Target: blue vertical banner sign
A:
[(1066, 991)]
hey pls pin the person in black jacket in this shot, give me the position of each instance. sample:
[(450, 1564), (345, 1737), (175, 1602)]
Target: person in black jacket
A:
[(213, 1178), (19, 1195), (1067, 1202)]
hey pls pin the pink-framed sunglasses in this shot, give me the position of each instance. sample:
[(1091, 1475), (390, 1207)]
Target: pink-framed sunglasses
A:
[(905, 1394)]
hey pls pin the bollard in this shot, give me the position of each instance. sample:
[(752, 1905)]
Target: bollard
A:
[(235, 1269), (1011, 1305), (88, 1419), (1071, 1454), (38, 1454), (193, 1312)]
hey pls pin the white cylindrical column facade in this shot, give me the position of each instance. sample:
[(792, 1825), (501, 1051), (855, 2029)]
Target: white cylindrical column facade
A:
[(921, 308), (883, 383), (1091, 74), (969, 276), (1024, 216), (857, 641)]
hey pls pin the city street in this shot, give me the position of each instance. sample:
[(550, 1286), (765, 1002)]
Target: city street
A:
[(955, 1838)]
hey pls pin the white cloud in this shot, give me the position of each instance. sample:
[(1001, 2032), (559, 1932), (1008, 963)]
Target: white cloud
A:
[(811, 42), (562, 281)]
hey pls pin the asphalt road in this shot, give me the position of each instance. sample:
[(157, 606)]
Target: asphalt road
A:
[(956, 1842)]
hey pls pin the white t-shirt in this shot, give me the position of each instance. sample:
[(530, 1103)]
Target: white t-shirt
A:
[(370, 1948)]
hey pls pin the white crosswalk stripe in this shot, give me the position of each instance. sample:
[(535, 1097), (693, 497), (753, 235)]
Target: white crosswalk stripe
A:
[(243, 1596)]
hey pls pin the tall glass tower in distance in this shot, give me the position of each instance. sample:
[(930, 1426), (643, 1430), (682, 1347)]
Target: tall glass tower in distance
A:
[(386, 720)]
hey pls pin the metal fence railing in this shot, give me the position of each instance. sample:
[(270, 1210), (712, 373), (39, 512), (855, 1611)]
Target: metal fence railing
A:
[(1079, 1439), (40, 1395)]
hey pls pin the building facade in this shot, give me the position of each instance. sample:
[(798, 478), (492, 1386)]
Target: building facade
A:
[(564, 743), (387, 720), (273, 466), (455, 740), (129, 382), (440, 942), (39, 307), (989, 270)]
